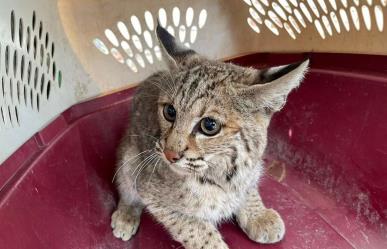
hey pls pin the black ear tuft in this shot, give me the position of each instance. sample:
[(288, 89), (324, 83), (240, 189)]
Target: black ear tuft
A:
[(175, 54), (171, 46), (271, 74)]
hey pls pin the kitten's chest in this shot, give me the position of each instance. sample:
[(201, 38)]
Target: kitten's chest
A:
[(212, 203)]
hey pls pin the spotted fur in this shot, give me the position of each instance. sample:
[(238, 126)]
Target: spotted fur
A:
[(217, 176)]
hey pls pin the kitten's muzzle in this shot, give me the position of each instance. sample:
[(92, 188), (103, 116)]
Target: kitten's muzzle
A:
[(172, 156)]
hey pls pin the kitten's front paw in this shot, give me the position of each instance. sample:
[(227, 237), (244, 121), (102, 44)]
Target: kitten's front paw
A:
[(124, 224), (266, 227)]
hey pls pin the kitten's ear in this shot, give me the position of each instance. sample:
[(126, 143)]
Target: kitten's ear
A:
[(176, 54), (272, 86)]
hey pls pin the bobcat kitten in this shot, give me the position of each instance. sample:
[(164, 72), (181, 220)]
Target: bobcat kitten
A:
[(192, 153)]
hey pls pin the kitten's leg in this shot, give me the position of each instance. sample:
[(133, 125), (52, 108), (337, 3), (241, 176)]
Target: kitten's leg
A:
[(191, 232), (125, 220), (261, 224)]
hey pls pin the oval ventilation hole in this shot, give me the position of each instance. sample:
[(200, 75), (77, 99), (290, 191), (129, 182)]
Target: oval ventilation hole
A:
[(355, 18), (41, 54), (31, 98), (323, 6), (306, 12), (22, 65), (176, 16), (271, 27), (3, 86), (18, 91), (140, 60), (314, 8), (189, 15), (344, 19), (379, 17), (53, 70), (294, 2), (356, 2), (319, 28), (286, 6), (273, 16), (29, 73), (53, 49), (42, 83), (17, 115), (163, 17), (37, 102), (100, 46), (293, 22), (46, 40), (335, 22), (171, 30), (40, 30), (369, 2), (36, 77), (148, 39), (60, 79), (253, 25), (11, 89), (35, 46), (202, 18), (265, 2), (136, 24), (48, 62), (123, 30), (148, 56), (111, 37), (137, 43), (21, 32), (279, 11), (182, 33), (117, 55), (125, 46), (366, 17), (149, 20), (15, 63), (255, 15), (290, 31), (327, 25), (344, 3), (258, 6), (25, 95), (6, 59), (33, 20), (13, 25), (48, 90), (193, 34), (131, 65), (333, 4), (157, 51), (383, 2), (299, 18), (28, 39)]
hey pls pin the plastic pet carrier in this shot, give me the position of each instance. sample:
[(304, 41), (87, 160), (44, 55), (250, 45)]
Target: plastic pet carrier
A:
[(68, 70)]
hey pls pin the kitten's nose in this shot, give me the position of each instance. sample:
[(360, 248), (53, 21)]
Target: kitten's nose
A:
[(172, 156)]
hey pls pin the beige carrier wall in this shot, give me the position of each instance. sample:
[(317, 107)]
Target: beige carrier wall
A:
[(94, 47)]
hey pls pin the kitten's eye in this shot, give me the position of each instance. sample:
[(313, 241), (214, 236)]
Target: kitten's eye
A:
[(169, 113), (209, 126)]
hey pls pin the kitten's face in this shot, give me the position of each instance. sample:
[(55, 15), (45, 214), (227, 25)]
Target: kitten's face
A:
[(209, 110), (199, 120)]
